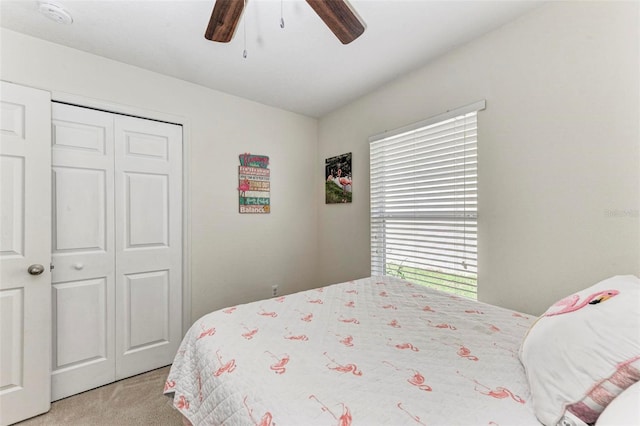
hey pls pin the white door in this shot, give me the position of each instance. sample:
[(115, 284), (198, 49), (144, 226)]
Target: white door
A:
[(148, 244), (117, 246), (83, 250), (25, 242)]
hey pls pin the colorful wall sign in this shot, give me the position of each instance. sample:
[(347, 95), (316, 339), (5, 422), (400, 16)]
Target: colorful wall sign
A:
[(254, 187)]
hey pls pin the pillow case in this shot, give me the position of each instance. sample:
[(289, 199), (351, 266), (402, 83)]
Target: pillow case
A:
[(584, 350), (624, 410)]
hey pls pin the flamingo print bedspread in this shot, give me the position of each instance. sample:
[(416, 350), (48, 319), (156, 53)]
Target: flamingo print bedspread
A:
[(375, 351)]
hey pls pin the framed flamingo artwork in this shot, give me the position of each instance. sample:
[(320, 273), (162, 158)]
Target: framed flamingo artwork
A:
[(253, 184), (338, 179)]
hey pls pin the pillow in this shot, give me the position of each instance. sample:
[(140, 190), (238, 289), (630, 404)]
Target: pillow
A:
[(624, 410), (584, 351)]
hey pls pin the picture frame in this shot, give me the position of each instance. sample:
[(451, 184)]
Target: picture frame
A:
[(338, 179)]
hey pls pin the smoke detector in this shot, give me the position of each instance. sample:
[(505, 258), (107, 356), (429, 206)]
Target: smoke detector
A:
[(55, 12)]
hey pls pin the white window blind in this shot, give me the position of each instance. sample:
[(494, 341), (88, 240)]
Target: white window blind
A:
[(424, 202)]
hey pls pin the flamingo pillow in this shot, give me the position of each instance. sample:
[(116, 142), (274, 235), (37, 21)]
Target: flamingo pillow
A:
[(584, 351)]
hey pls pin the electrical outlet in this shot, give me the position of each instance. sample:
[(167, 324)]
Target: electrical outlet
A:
[(274, 290)]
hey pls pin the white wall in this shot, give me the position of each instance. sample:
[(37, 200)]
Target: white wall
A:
[(235, 258), (559, 151)]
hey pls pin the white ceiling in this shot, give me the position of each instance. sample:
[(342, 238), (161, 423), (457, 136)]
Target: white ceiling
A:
[(301, 68)]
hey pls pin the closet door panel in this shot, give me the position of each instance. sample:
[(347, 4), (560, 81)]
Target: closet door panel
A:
[(143, 145), (148, 324), (74, 136), (148, 194), (147, 210), (83, 250), (80, 204), (85, 299)]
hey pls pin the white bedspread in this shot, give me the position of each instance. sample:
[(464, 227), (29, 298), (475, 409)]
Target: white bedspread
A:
[(376, 351)]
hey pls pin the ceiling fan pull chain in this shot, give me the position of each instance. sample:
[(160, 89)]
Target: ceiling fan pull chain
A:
[(244, 27), (281, 15)]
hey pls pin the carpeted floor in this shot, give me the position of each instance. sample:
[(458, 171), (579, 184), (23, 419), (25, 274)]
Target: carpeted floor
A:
[(137, 400)]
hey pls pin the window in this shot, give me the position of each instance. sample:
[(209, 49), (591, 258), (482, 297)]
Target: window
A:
[(424, 202)]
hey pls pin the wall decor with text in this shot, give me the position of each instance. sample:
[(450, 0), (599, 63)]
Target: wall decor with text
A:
[(254, 187)]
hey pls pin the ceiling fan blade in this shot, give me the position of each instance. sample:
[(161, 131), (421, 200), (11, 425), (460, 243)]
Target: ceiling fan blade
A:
[(224, 20), (339, 18)]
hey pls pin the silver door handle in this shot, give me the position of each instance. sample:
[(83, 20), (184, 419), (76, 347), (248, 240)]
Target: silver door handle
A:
[(35, 269)]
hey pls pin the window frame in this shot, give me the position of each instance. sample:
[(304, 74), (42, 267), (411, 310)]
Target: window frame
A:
[(428, 212)]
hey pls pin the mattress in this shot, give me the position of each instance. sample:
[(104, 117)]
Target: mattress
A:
[(375, 351)]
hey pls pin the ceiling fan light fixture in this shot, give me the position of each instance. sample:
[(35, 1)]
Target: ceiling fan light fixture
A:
[(336, 14), (55, 12)]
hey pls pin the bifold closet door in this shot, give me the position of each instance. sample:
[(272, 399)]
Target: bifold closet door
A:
[(83, 250), (117, 247), (148, 244)]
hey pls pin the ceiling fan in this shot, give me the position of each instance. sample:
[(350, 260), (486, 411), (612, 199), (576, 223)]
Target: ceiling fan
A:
[(336, 14)]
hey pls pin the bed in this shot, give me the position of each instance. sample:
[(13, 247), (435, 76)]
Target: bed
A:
[(384, 351), (374, 351)]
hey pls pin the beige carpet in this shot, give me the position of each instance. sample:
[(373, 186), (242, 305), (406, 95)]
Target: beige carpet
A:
[(134, 401)]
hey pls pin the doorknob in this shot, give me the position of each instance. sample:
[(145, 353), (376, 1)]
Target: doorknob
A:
[(35, 269)]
